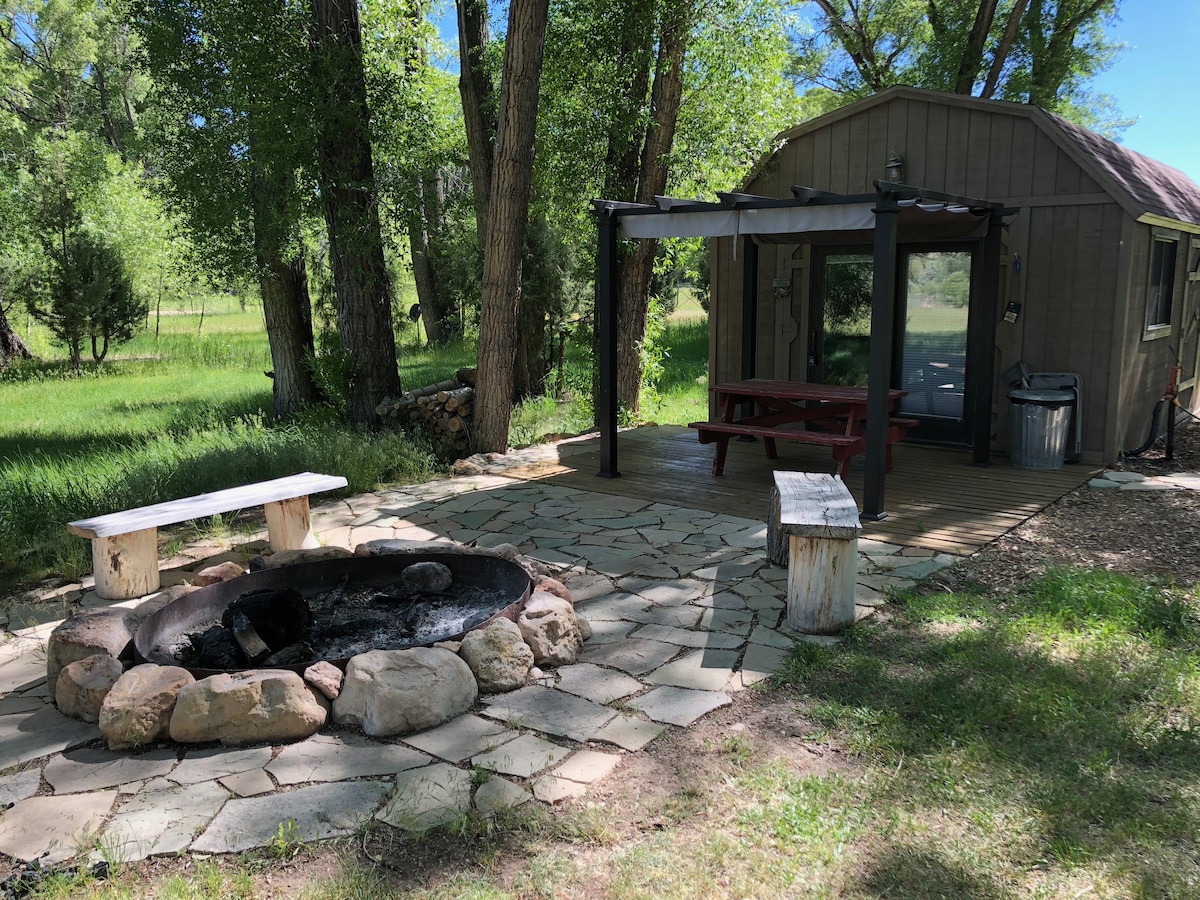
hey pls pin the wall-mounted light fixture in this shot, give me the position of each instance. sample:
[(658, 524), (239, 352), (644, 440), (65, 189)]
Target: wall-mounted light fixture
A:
[(895, 167)]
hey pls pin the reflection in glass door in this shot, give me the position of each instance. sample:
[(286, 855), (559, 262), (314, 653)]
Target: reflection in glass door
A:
[(840, 340), (933, 351)]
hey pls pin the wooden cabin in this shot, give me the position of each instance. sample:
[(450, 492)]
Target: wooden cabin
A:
[(1099, 271)]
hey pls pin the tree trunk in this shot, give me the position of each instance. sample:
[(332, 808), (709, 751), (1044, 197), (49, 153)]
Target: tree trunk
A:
[(625, 140), (424, 224), (479, 105), (508, 214), (287, 309), (347, 181), (1001, 54), (11, 345), (634, 296), (971, 60)]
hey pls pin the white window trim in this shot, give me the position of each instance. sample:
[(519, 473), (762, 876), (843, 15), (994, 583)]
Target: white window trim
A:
[(1166, 236)]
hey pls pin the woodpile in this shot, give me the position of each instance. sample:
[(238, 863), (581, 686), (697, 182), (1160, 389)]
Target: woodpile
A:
[(444, 410)]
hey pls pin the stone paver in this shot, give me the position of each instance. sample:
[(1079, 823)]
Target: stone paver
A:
[(633, 655), (523, 757), (89, 768), (18, 786), (497, 794), (628, 732), (679, 706), (53, 829), (23, 738), (208, 765), (551, 711), (761, 662), (161, 822), (594, 683), (685, 637), (327, 757), (703, 670), (460, 738), (587, 766), (248, 784), (429, 797), (314, 813)]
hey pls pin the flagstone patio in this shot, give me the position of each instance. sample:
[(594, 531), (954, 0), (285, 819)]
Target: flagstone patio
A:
[(685, 611)]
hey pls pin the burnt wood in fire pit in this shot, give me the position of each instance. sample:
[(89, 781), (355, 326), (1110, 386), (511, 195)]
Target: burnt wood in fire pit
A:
[(354, 605)]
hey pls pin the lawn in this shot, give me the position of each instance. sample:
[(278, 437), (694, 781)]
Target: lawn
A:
[(188, 410)]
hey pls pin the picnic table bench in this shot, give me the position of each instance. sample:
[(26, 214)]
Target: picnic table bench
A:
[(841, 411), (814, 525), (125, 544)]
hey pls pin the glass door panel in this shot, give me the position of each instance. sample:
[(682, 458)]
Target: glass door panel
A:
[(933, 353), (840, 344)]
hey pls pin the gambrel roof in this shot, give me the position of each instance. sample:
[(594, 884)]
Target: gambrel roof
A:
[(1147, 189)]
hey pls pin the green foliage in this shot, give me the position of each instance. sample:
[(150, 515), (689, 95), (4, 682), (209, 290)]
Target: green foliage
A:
[(853, 49), (83, 292)]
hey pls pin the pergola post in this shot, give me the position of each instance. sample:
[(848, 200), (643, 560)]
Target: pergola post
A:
[(981, 351), (749, 306), (606, 325), (879, 370)]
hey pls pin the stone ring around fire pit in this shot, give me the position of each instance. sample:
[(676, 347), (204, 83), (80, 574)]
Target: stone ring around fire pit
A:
[(373, 616)]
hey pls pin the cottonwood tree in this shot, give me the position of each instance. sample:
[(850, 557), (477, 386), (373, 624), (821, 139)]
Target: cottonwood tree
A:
[(651, 98), (346, 176), (1034, 51), (232, 128), (508, 211)]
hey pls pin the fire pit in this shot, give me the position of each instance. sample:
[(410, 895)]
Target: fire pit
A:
[(330, 610)]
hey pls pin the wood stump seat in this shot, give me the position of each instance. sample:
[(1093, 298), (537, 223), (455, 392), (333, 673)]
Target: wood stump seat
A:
[(814, 527)]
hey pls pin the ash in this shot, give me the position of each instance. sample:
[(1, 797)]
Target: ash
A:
[(349, 622)]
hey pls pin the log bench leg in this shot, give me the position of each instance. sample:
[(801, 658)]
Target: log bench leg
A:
[(126, 565), (722, 450), (821, 583), (289, 526)]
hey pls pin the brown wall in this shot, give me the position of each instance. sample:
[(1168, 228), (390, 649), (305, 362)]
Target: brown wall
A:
[(1070, 236)]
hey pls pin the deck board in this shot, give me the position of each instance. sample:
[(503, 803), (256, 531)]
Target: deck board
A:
[(934, 498)]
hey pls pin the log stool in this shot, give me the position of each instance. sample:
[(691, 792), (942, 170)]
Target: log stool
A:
[(814, 528)]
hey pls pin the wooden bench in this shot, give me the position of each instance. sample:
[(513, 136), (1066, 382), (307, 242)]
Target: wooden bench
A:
[(125, 544), (844, 446), (814, 525)]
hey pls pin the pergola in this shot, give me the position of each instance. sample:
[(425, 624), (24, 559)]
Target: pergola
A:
[(811, 216)]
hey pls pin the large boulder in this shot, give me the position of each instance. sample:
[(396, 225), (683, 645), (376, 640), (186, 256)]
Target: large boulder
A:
[(498, 655), (83, 685), (88, 632), (137, 711), (548, 625), (261, 705), (390, 692)]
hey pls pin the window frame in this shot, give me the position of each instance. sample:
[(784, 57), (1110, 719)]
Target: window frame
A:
[(1156, 324)]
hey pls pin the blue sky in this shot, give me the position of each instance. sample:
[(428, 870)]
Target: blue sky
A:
[(1156, 78)]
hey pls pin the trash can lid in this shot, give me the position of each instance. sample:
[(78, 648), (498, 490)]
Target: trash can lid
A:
[(1042, 398)]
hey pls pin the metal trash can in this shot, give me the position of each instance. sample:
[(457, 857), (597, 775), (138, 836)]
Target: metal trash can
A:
[(1038, 427)]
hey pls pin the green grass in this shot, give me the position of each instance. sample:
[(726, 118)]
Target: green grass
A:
[(188, 411), (1054, 731)]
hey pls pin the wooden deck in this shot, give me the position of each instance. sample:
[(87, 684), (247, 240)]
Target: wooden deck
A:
[(934, 497)]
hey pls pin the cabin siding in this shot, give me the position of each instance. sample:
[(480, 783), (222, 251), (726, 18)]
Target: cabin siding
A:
[(1073, 258)]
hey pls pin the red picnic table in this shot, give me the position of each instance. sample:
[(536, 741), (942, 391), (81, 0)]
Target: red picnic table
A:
[(785, 410)]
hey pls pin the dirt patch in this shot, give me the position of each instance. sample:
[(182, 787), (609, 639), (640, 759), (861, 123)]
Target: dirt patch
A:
[(1154, 532)]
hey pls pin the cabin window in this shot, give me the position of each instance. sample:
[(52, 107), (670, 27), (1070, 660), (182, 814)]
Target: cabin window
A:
[(1162, 279)]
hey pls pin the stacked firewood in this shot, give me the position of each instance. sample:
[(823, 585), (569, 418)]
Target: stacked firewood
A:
[(443, 410)]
